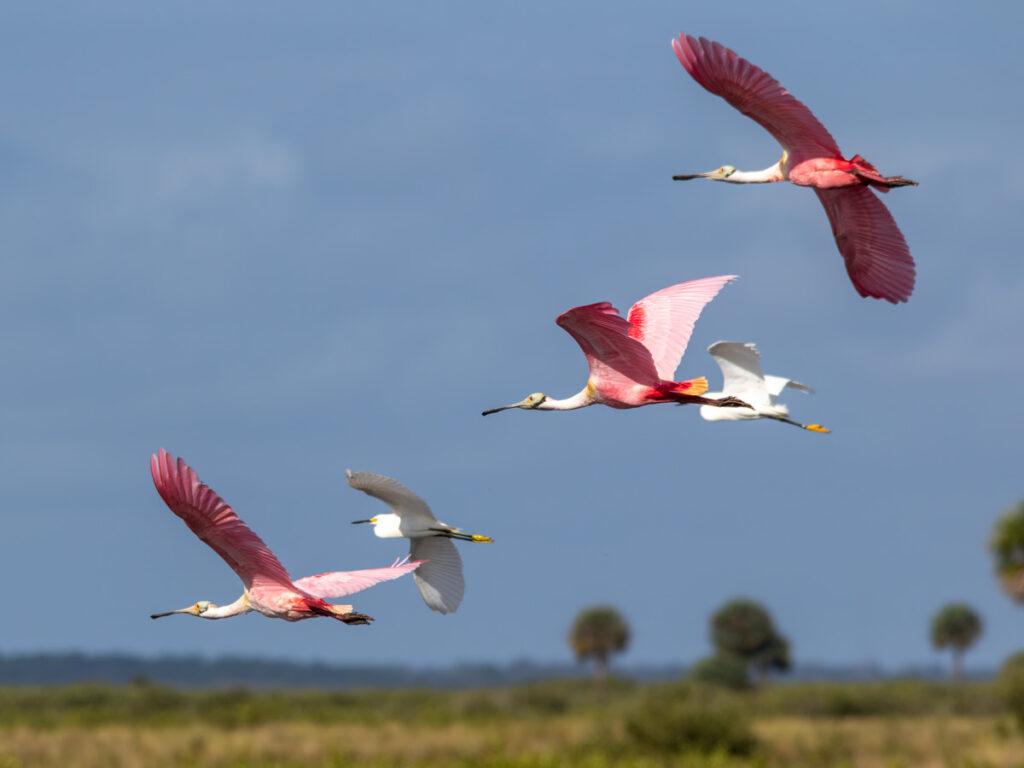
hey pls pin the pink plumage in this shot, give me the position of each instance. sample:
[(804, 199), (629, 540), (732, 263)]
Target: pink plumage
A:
[(633, 360), (211, 519), (341, 583), (757, 95), (615, 358), (663, 321), (877, 258)]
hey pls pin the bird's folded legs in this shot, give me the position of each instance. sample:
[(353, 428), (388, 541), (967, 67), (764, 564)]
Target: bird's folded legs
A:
[(355, 618), (463, 536), (730, 402)]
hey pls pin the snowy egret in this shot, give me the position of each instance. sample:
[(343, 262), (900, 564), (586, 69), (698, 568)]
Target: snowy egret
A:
[(439, 577), (742, 377)]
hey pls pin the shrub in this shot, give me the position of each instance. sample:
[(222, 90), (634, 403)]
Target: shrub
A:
[(690, 718), (724, 670), (1010, 686)]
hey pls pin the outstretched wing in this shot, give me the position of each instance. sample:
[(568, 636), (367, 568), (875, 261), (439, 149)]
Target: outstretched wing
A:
[(213, 521), (757, 95), (402, 501), (440, 578), (876, 255), (663, 321), (776, 384), (613, 355), (339, 583), (742, 376)]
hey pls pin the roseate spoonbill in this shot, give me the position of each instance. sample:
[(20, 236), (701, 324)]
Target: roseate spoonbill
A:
[(876, 255), (268, 587), (439, 577), (742, 377), (633, 360)]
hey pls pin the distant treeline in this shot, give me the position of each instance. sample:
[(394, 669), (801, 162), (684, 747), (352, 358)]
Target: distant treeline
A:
[(195, 671)]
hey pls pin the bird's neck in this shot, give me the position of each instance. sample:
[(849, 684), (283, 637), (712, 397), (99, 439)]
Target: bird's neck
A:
[(240, 606), (772, 173), (581, 399), (388, 526)]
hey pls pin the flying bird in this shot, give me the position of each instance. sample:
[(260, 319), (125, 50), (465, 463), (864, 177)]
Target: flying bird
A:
[(268, 587), (439, 576), (876, 255), (633, 359), (742, 377)]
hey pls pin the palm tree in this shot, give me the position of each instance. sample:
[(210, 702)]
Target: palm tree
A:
[(597, 633), (744, 628), (956, 626), (1007, 547), (741, 627)]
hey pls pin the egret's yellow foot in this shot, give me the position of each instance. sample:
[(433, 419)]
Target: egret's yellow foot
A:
[(818, 428), (482, 539)]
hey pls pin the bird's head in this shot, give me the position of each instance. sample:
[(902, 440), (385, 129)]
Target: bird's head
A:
[(197, 609), (719, 174), (536, 400)]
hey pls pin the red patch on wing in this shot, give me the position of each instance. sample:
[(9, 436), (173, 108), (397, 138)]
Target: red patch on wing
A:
[(638, 321)]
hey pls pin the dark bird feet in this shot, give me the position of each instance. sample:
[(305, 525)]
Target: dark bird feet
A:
[(899, 181), (355, 618)]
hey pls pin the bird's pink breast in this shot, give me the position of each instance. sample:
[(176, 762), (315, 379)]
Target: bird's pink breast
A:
[(626, 397), (823, 173), (280, 604)]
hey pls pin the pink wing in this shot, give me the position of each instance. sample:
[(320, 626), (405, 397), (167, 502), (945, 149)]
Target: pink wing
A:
[(339, 583), (757, 95), (213, 521), (614, 357), (877, 257), (663, 321)]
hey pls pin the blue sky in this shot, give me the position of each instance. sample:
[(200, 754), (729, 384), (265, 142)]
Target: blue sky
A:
[(280, 242)]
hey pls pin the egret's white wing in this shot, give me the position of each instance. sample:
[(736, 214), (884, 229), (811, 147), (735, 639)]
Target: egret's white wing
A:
[(776, 384), (402, 501), (741, 371), (440, 578)]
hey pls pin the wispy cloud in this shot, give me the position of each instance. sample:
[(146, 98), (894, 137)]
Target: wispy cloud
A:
[(982, 337), (198, 172)]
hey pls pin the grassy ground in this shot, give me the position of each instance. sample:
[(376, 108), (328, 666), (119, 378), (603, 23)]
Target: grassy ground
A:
[(560, 724)]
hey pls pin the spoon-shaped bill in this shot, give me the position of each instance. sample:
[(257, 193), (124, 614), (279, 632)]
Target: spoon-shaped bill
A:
[(169, 613), (525, 401)]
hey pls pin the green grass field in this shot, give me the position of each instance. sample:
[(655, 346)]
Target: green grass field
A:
[(562, 723)]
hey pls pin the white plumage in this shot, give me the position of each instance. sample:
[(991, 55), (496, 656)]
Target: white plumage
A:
[(743, 378), (439, 579)]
